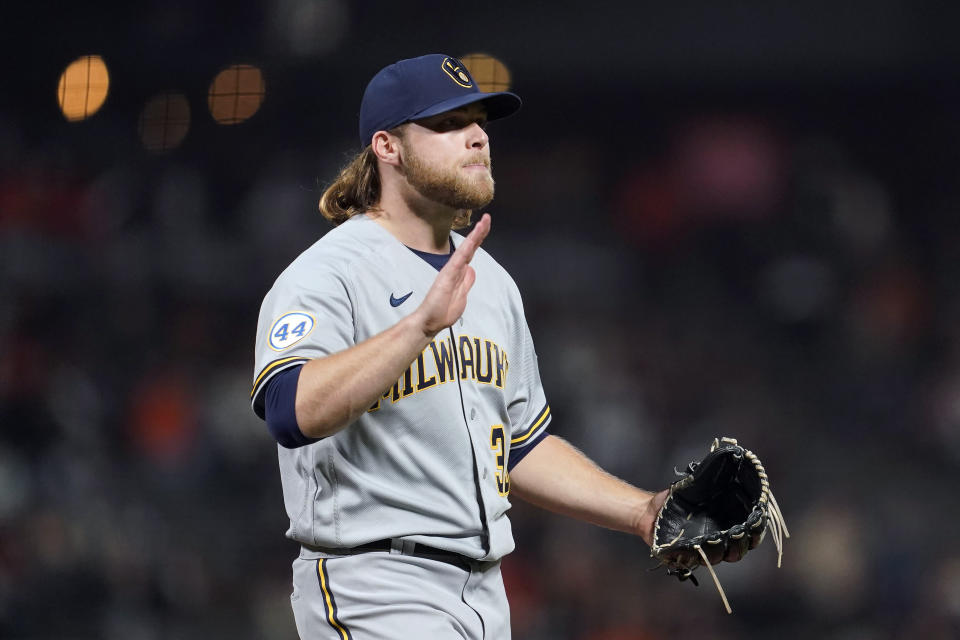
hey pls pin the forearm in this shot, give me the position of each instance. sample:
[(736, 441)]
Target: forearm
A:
[(558, 477), (334, 391)]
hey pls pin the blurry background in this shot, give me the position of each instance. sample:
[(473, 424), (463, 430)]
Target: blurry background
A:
[(725, 220)]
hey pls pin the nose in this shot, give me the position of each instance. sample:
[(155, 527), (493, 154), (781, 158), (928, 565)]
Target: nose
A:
[(476, 136)]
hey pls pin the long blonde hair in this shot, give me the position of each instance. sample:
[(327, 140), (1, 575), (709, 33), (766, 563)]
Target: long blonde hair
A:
[(356, 189)]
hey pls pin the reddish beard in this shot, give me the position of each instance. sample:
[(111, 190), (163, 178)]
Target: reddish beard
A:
[(452, 187)]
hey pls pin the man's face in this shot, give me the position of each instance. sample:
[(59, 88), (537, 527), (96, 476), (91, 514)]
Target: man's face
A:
[(446, 158)]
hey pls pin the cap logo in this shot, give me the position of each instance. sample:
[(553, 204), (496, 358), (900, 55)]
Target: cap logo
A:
[(456, 73)]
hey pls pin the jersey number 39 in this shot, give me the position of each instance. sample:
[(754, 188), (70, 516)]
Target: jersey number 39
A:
[(498, 444)]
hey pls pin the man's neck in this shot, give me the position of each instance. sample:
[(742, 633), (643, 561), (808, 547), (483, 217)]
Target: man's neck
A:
[(421, 225)]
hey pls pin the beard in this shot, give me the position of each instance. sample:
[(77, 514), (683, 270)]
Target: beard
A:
[(448, 185)]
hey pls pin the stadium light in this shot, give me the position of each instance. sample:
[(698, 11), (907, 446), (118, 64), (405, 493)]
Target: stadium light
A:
[(164, 121), (236, 93), (83, 87), (489, 73)]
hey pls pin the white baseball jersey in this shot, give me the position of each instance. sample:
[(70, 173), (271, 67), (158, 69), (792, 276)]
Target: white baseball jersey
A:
[(428, 461)]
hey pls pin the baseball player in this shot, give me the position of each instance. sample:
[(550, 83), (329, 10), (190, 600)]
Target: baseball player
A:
[(395, 368)]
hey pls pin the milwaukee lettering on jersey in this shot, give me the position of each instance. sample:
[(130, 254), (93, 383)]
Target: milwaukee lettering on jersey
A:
[(478, 360)]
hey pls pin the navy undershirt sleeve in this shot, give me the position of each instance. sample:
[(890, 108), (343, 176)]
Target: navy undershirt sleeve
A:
[(281, 409), (520, 454)]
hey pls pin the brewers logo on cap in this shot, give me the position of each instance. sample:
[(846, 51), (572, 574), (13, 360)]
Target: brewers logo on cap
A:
[(457, 72)]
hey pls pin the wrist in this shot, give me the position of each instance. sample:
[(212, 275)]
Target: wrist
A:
[(416, 324), (647, 515)]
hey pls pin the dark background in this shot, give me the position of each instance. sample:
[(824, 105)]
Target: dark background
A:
[(726, 219)]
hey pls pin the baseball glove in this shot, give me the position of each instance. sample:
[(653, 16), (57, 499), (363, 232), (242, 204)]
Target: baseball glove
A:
[(722, 504)]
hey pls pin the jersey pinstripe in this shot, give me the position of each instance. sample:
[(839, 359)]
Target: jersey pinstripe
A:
[(428, 461)]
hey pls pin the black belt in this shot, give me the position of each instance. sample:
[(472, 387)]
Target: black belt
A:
[(419, 550)]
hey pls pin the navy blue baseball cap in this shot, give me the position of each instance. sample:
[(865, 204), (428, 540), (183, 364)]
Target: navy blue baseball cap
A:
[(423, 87)]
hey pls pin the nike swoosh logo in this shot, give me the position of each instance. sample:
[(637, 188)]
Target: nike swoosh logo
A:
[(396, 302)]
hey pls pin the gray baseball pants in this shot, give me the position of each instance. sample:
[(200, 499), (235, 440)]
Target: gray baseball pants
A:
[(384, 595)]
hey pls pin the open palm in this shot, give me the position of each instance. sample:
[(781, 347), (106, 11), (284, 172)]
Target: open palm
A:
[(447, 298)]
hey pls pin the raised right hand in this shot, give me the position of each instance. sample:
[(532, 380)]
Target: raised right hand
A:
[(447, 298)]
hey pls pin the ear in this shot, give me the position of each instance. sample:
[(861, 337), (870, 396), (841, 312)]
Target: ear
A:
[(386, 147)]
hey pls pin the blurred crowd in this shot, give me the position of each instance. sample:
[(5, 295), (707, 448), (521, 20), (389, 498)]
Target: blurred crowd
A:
[(780, 269)]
